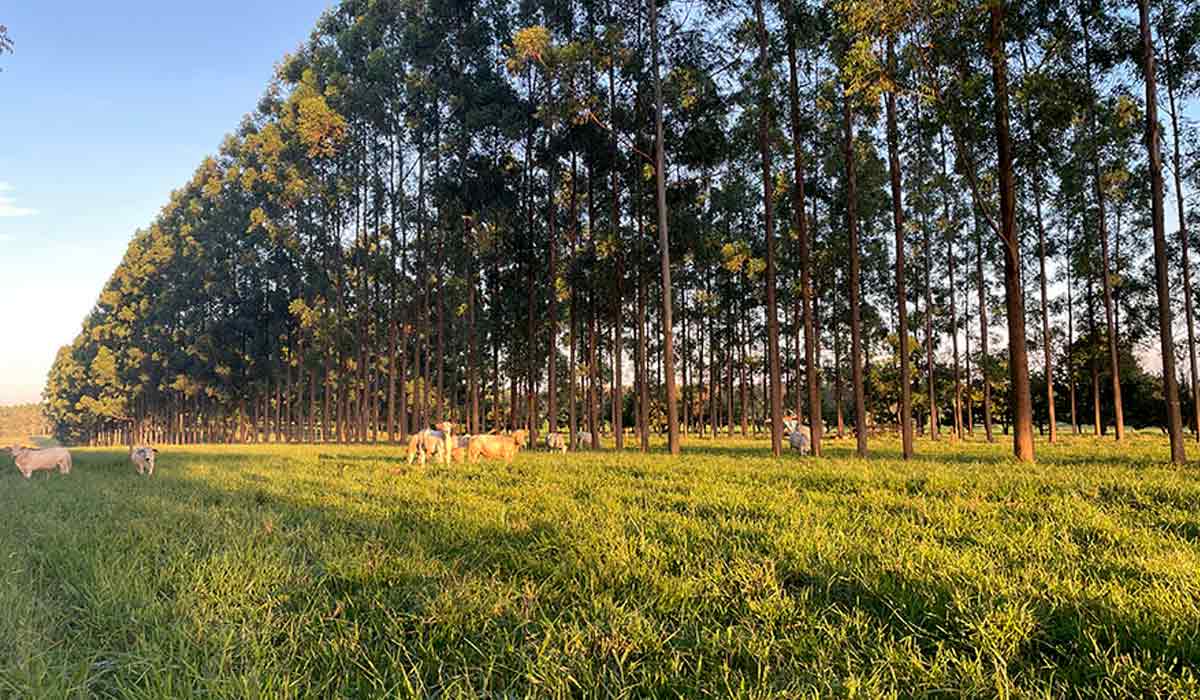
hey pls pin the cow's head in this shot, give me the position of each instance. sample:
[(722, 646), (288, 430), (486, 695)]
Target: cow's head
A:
[(446, 427), (519, 437)]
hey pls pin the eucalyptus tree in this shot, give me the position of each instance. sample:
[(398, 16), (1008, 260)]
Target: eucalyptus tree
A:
[(1162, 278), (765, 77), (668, 333), (1178, 30), (1088, 16)]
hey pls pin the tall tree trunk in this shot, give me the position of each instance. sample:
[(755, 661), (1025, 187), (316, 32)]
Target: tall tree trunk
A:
[(643, 369), (1097, 421), (856, 366), (1102, 227), (1047, 345), (743, 390), (768, 185), (893, 145), (1018, 358), (839, 386), (812, 379), (552, 312), (473, 361), (984, 358), (1184, 244), (663, 240), (1162, 278), (619, 276), (1071, 334), (958, 387)]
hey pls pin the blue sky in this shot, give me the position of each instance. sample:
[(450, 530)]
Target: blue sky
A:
[(105, 108)]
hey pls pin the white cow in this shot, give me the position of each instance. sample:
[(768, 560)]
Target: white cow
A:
[(556, 442), (432, 442), (29, 461), (583, 439), (143, 459), (801, 439)]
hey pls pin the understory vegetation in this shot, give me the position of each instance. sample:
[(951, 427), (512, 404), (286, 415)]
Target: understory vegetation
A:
[(339, 571)]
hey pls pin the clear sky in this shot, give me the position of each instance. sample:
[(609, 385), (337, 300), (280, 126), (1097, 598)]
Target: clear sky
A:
[(104, 109)]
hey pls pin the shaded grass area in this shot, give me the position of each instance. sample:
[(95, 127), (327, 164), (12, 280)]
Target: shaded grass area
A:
[(333, 571)]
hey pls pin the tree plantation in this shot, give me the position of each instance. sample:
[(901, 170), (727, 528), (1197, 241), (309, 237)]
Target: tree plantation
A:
[(933, 217)]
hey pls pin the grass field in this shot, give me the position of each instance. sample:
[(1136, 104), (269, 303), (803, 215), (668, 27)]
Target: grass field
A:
[(279, 571)]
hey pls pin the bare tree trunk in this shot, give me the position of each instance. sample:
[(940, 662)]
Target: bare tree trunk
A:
[(764, 146), (1184, 246), (950, 261), (619, 291), (552, 312), (1102, 228), (856, 367), (1154, 149), (663, 241), (1097, 424), (893, 141), (1047, 345), (983, 335), (1071, 335)]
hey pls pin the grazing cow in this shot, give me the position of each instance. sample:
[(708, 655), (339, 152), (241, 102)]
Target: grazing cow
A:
[(143, 459), (801, 439), (496, 446), (29, 461), (432, 442), (583, 439), (557, 442)]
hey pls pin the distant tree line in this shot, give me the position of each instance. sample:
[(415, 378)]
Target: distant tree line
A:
[(687, 217), (22, 422)]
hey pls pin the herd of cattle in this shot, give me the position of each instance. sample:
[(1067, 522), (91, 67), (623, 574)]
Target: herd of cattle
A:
[(438, 443)]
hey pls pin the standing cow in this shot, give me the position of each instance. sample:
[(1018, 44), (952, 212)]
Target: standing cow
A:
[(143, 460), (800, 438), (556, 442), (496, 446), (432, 441), (29, 461)]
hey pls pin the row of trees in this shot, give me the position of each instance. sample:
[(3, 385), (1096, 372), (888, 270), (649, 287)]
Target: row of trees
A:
[(488, 211), (19, 423)]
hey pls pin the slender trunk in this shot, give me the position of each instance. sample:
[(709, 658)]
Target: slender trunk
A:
[(619, 276), (1071, 336), (643, 369), (663, 240), (473, 373), (1097, 424), (1018, 356), (1184, 245), (768, 185), (856, 367), (1102, 228), (958, 387), (1162, 278), (552, 311), (893, 145), (1047, 345), (984, 358)]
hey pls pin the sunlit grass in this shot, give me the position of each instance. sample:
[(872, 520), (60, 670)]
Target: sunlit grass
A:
[(281, 571)]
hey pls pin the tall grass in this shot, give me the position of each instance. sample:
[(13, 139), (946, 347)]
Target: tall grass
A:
[(281, 571)]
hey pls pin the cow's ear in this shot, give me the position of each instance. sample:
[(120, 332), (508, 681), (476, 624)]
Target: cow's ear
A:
[(154, 450)]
